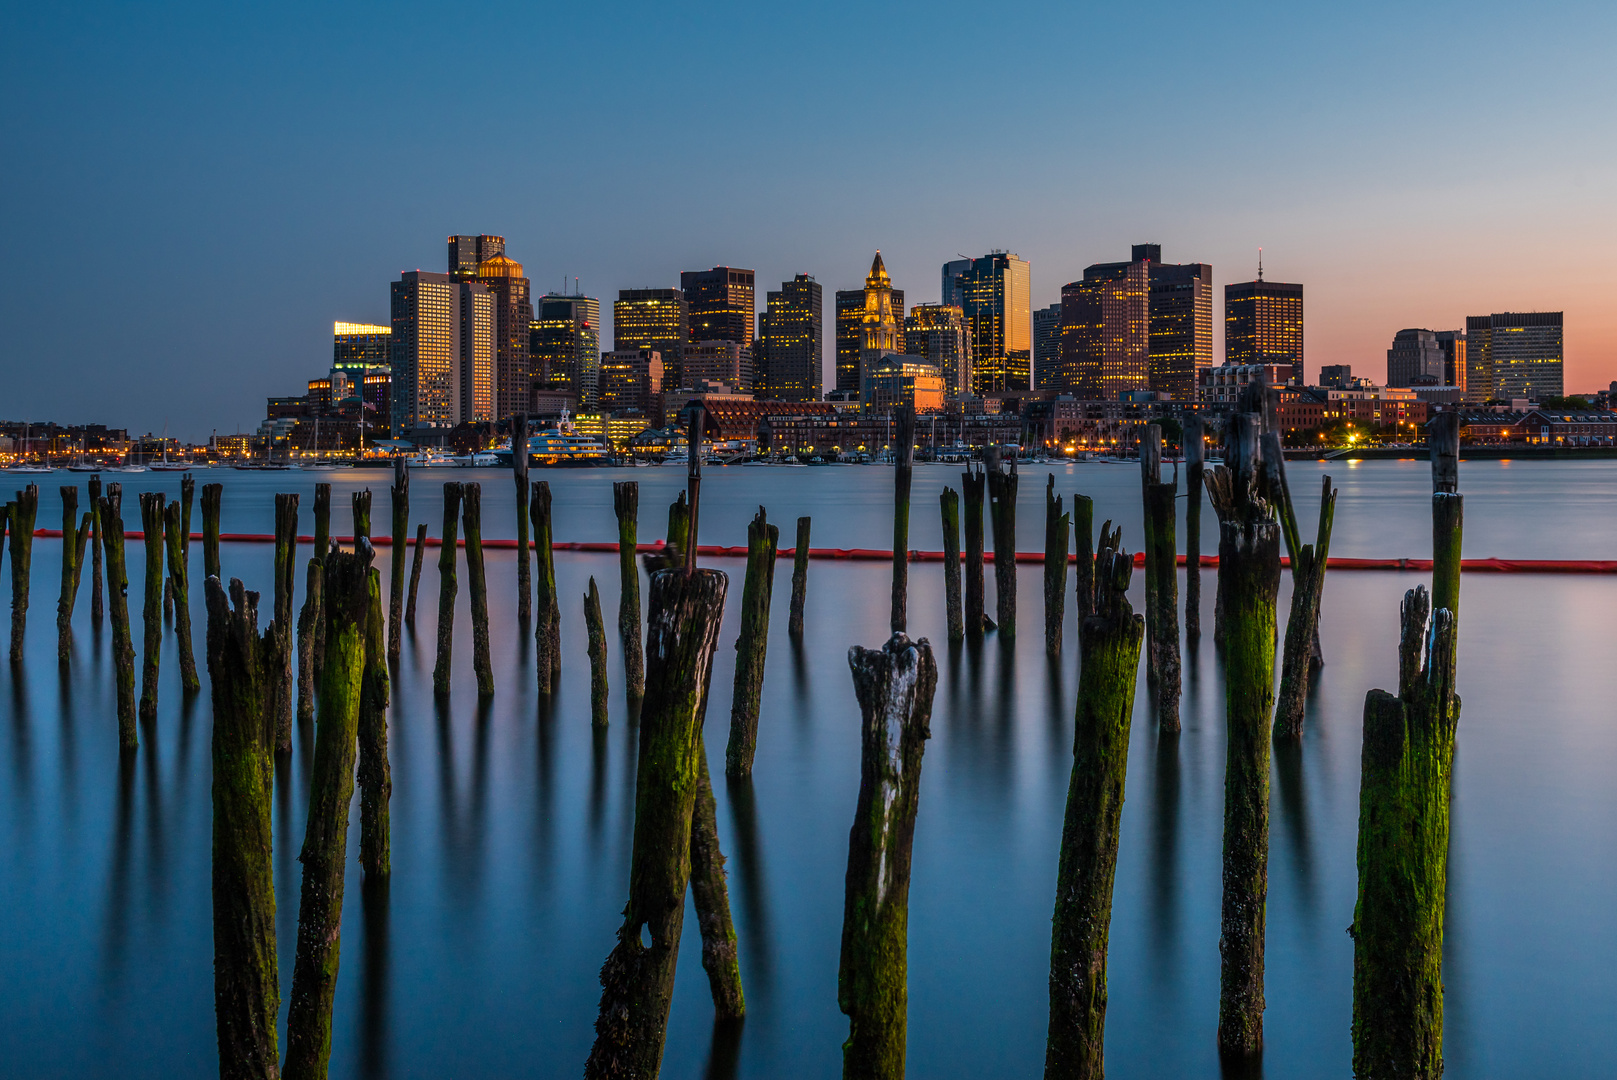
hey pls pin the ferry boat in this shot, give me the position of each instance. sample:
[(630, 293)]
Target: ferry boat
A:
[(558, 445), (483, 459), (430, 459)]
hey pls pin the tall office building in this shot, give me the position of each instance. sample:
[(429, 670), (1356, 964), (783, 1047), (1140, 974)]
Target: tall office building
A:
[(632, 379), (793, 342), (564, 343), (1105, 332), (1046, 344), (1452, 342), (869, 320), (994, 293), (721, 304), (1263, 324), (467, 253), (1514, 355), (442, 352), (1181, 316), (726, 362), (1415, 359), (358, 346), (938, 333), (513, 315), (652, 319)]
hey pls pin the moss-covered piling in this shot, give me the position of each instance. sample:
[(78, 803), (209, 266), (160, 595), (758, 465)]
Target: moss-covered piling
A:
[(212, 495), (399, 506), (752, 644), (972, 483), (151, 523), (123, 647), (179, 581), (375, 774), (595, 628), (286, 549), (903, 474), (949, 503), (1195, 446), (416, 557), (75, 536), (1057, 526), (800, 562), (477, 583), (547, 632), (448, 588), (519, 476), (21, 513), (1002, 517), (626, 505)]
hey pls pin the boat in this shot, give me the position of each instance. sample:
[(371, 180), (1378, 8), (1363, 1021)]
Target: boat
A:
[(483, 459), (558, 445), (325, 466), (127, 468), (31, 469), (430, 459), (79, 466)]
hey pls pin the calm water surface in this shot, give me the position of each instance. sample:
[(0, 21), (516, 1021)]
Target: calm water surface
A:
[(512, 822)]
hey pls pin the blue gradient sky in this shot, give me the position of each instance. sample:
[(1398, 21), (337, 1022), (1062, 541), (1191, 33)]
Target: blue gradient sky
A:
[(192, 194)]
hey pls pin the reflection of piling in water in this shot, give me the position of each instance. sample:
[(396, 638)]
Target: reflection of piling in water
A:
[(1057, 525), (750, 878), (1002, 518), (1195, 449), (894, 685), (246, 981), (595, 627), (1109, 659), (1293, 804), (151, 523), (711, 898), (123, 648), (375, 902), (375, 774), (399, 505), (325, 843), (1162, 667), (626, 506), (74, 538), (477, 583), (949, 503), (179, 580), (763, 539), (637, 980), (415, 573), (547, 635), (448, 587), (1165, 884), (972, 482), (800, 561), (903, 473), (280, 688)]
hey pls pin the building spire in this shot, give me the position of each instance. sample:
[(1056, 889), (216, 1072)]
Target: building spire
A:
[(878, 274), (1260, 264)]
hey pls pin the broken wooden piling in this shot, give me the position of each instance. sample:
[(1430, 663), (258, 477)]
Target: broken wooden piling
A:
[(547, 632), (903, 475), (1308, 562), (179, 585), (311, 614), (710, 896), (415, 573), (123, 647), (322, 520), (74, 538), (286, 549), (1162, 583), (399, 505), (972, 482), (211, 496), (596, 629), (519, 476), (477, 582), (1083, 531), (375, 774), (949, 501), (1195, 447), (21, 514), (800, 561), (1002, 519), (448, 587), (626, 505), (1057, 525), (361, 501), (763, 540), (97, 596), (151, 523)]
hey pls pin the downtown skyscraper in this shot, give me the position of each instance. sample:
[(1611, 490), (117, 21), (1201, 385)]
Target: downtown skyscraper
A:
[(869, 321), (564, 343), (994, 293), (792, 339), (1106, 332), (1181, 317), (1263, 324), (1514, 355), (656, 319), (721, 304), (937, 332), (513, 316), (442, 352)]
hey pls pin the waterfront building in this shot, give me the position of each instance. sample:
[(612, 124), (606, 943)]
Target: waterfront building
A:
[(1223, 385), (894, 379), (938, 333), (442, 352), (1105, 332), (1338, 375), (564, 343), (788, 364), (1452, 342), (1181, 322), (721, 304), (513, 317), (1512, 355), (867, 319), (1263, 324), (727, 362), (467, 253), (1046, 344), (653, 319), (994, 293), (1415, 359), (361, 346), (632, 380)]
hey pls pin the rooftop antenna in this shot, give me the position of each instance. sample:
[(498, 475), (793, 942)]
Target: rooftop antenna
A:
[(1260, 264)]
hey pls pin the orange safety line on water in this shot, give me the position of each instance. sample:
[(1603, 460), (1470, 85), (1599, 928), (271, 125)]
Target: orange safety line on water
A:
[(1490, 566)]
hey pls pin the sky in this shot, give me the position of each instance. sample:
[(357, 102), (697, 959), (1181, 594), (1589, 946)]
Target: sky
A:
[(192, 194)]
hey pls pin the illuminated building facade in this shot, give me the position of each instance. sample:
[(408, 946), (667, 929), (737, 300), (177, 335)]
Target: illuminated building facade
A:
[(564, 345), (1514, 355), (1181, 322), (726, 362), (513, 315), (1105, 332), (358, 346), (1263, 324), (467, 253), (937, 332), (867, 319), (653, 319), (721, 304), (632, 381), (442, 352), (894, 379), (1452, 342), (792, 333), (1415, 359), (995, 295), (1046, 344)]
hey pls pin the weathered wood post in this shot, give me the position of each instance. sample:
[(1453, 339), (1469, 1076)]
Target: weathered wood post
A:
[(1057, 525), (399, 504), (763, 539), (97, 596), (286, 549), (710, 895), (311, 614), (1249, 579), (375, 774), (684, 609), (21, 514), (1162, 584), (477, 580), (800, 561), (1083, 528), (1448, 511), (972, 482), (1406, 765), (1195, 466), (74, 537), (1308, 563), (949, 502), (179, 580), (448, 587), (188, 490), (331, 790), (211, 496), (1109, 660), (362, 514), (626, 505), (679, 525), (123, 647), (415, 572), (322, 520), (894, 685), (519, 476), (596, 629), (151, 524), (547, 633), (246, 980), (1002, 516), (903, 474)]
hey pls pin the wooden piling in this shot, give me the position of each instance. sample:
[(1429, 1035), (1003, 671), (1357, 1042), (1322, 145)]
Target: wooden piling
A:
[(894, 685), (763, 540), (123, 648), (679, 524), (286, 550), (97, 597), (415, 572), (375, 774), (519, 476), (477, 581), (1083, 530), (1057, 525), (448, 587), (74, 538), (311, 614), (903, 474), (211, 496), (1406, 765), (1162, 584), (246, 980), (322, 520), (1448, 511), (684, 610), (21, 515), (626, 505), (362, 514), (151, 523), (1195, 446), (1002, 517), (547, 633), (596, 629), (972, 482), (1308, 562), (710, 895), (399, 505), (331, 790), (179, 580), (950, 504), (1249, 579), (1109, 659), (800, 561)]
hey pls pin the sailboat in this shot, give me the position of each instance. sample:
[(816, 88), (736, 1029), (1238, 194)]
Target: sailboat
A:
[(165, 465), (34, 468)]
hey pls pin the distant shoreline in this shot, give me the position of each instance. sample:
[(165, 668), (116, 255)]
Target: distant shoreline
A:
[(1467, 453)]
